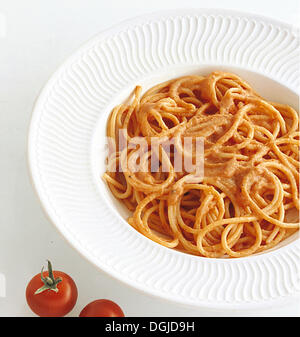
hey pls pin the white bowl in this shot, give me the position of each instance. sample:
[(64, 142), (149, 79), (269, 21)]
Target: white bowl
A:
[(67, 136)]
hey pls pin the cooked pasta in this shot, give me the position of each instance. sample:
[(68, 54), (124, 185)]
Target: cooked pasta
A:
[(247, 199)]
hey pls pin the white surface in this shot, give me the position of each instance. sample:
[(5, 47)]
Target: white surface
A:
[(37, 38)]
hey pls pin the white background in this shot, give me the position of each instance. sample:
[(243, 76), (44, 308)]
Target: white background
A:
[(35, 38)]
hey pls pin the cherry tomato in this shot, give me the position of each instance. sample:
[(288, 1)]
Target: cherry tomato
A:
[(51, 294), (102, 308)]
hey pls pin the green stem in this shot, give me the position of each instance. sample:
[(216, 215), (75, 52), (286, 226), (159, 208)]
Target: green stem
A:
[(50, 283)]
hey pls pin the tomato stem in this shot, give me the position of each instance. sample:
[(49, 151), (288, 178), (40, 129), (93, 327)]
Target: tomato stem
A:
[(50, 283)]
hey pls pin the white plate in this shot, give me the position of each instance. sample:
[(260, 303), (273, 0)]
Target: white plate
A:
[(67, 134)]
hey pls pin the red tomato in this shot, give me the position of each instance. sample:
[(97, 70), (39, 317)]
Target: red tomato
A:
[(102, 308), (51, 294)]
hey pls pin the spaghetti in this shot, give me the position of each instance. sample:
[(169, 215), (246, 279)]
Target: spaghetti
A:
[(244, 202)]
